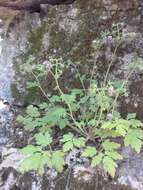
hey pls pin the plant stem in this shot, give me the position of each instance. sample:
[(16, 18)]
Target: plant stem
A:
[(117, 95), (110, 64), (82, 83), (40, 87), (69, 106)]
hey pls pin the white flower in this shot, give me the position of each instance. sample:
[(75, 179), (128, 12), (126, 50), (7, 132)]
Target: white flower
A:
[(47, 64), (109, 116)]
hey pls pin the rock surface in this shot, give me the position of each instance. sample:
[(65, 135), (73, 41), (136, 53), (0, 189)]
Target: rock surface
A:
[(69, 31), (130, 172)]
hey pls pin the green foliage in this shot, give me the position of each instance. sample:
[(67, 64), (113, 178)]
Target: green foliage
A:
[(69, 142), (109, 165), (89, 151), (87, 119), (96, 160), (58, 160), (43, 139), (38, 157), (134, 138)]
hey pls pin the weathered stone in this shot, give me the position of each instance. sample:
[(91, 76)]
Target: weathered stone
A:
[(70, 32)]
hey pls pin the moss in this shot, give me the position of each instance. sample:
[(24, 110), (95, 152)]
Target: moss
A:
[(74, 46), (15, 92), (30, 96), (35, 39)]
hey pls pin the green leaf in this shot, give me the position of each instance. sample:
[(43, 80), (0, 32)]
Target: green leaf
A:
[(56, 112), (30, 149), (43, 139), (134, 138), (20, 119), (29, 124), (77, 91), (31, 163), (63, 123), (114, 155), (43, 106), (68, 98), (58, 160), (131, 116), (120, 129), (108, 133), (32, 111), (79, 142), (108, 145), (96, 160), (67, 137), (93, 122), (55, 98), (32, 84), (108, 125), (89, 152), (80, 124), (32, 123), (135, 123), (122, 126), (45, 160), (109, 165), (68, 146), (84, 99), (54, 115)]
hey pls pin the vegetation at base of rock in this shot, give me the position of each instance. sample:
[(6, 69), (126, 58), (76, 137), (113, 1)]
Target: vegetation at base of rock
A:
[(86, 118)]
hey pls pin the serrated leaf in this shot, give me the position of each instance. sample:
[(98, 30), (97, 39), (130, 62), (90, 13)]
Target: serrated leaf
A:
[(96, 160), (67, 137), (122, 126), (31, 163), (43, 139), (134, 139), (79, 124), (58, 111), (55, 98), (79, 142), (109, 165), (58, 160), (20, 119), (131, 116), (68, 146), (108, 145), (136, 123), (121, 129), (68, 98), (46, 160), (55, 114), (84, 99), (108, 125), (29, 124), (43, 106), (63, 123), (89, 152), (108, 133), (32, 84), (114, 155), (32, 111), (30, 149), (77, 91), (92, 122)]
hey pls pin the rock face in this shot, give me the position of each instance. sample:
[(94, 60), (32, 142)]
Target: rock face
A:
[(69, 31), (130, 171), (32, 5)]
